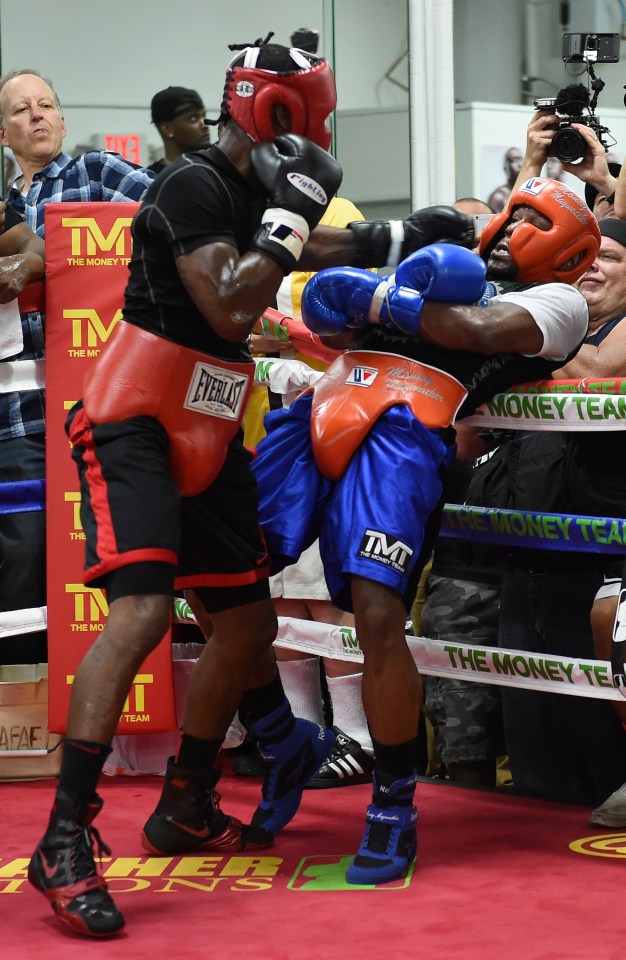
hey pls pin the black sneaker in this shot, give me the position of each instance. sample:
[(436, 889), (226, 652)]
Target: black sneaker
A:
[(250, 763), (188, 815), (64, 870), (348, 764)]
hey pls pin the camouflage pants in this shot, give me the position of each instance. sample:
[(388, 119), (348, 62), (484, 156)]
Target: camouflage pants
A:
[(466, 716)]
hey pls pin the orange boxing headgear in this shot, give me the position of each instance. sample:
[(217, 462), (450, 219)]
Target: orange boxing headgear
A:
[(301, 81), (539, 255)]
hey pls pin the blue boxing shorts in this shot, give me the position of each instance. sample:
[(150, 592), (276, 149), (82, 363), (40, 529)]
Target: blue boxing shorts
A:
[(379, 521)]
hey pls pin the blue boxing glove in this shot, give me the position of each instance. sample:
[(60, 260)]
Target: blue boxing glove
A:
[(443, 271), (346, 298), (338, 298)]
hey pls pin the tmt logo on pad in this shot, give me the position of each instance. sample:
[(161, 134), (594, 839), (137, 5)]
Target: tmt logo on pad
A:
[(88, 239), (88, 327)]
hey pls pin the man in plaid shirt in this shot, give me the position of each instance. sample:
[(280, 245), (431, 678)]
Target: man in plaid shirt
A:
[(31, 124)]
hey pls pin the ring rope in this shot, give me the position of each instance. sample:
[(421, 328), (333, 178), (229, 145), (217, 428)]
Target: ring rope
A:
[(577, 533), (511, 668), (592, 678)]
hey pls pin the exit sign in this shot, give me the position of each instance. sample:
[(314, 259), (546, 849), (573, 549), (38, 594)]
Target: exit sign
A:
[(126, 144)]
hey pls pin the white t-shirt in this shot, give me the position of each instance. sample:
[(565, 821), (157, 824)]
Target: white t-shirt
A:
[(559, 310)]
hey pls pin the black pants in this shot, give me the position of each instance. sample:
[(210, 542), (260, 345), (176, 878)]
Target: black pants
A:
[(561, 747), (23, 549)]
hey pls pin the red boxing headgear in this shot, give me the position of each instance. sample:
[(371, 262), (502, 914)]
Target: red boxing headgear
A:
[(540, 254), (308, 92)]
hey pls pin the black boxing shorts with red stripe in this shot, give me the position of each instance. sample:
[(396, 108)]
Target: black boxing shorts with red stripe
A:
[(142, 536)]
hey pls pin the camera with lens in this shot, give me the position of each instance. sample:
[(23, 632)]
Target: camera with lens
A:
[(568, 145), (575, 103)]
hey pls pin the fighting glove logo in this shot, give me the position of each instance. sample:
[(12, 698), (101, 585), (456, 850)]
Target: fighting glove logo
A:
[(310, 188)]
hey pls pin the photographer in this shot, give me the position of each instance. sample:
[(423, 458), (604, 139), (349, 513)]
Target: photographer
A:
[(593, 169), (620, 195)]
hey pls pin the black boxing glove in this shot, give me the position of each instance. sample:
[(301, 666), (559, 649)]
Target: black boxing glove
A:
[(386, 243), (300, 179)]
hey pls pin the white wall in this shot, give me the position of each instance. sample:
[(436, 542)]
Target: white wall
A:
[(108, 59)]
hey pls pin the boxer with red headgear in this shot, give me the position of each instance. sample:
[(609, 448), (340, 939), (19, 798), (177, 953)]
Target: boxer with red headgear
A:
[(361, 460), (266, 80), (260, 78)]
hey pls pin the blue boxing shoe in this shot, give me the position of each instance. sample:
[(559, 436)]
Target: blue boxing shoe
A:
[(289, 765), (389, 845)]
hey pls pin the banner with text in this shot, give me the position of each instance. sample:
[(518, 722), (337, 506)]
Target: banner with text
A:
[(88, 249), (507, 668)]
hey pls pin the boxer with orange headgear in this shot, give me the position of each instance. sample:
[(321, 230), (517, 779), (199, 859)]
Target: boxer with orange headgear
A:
[(560, 251), (361, 460)]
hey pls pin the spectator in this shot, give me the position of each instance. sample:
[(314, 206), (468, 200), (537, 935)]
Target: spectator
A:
[(179, 116), (607, 626), (568, 748), (300, 592), (460, 604), (512, 164), (305, 38), (597, 173), (620, 194), (603, 203), (22, 256), (477, 209), (32, 125)]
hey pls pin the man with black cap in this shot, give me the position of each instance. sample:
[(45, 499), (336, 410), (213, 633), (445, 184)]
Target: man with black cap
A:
[(179, 115)]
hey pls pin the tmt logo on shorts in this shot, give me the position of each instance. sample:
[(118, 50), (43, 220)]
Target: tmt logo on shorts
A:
[(384, 549), (362, 376)]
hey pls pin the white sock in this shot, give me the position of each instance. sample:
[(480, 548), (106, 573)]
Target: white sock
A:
[(235, 735), (348, 712), (303, 689)]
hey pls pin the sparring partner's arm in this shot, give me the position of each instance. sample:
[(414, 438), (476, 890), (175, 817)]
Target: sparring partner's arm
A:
[(232, 291), (385, 243), (21, 256)]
